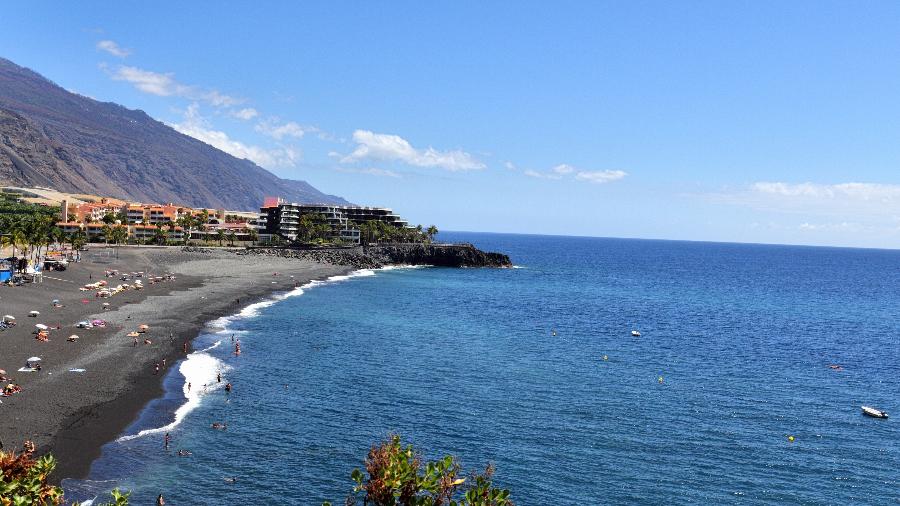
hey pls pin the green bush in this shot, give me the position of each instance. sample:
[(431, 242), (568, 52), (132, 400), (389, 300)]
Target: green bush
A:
[(23, 481), (395, 476)]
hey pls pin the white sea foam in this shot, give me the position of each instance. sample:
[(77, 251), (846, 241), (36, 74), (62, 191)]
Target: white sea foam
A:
[(199, 369)]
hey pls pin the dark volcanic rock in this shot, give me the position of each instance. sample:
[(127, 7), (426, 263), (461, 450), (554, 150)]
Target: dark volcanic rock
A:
[(52, 137), (440, 255)]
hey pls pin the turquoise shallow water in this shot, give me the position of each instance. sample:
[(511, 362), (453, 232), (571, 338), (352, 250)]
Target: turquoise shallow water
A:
[(464, 362)]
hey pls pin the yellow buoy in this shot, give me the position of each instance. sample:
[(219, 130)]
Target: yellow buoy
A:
[(605, 357), (660, 379), (791, 439)]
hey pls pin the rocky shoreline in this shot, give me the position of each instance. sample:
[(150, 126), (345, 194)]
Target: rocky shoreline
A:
[(373, 257)]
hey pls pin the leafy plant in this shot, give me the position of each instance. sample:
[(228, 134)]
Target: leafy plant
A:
[(23, 481), (395, 476)]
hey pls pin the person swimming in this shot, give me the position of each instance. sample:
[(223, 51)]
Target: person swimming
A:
[(184, 453)]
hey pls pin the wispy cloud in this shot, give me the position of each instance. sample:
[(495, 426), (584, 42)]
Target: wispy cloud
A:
[(245, 114), (387, 147), (541, 175), (371, 171), (112, 48), (198, 127), (600, 176), (279, 131), (165, 85), (814, 198), (563, 170)]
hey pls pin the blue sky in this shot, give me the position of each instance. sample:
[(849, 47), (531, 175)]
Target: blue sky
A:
[(734, 121)]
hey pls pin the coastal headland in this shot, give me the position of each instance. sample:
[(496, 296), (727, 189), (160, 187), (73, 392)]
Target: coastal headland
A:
[(376, 256), (90, 389)]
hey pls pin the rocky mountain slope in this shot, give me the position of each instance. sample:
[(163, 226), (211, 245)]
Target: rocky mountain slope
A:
[(52, 137)]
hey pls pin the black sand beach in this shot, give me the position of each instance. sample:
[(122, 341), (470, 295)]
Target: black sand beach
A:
[(72, 414)]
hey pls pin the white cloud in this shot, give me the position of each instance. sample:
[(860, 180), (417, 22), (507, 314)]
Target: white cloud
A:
[(841, 207), (542, 175), (112, 48), (245, 114), (281, 130), (387, 147), (372, 171), (600, 176), (199, 128), (844, 191), (830, 227), (165, 85), (510, 165), (154, 83), (564, 170)]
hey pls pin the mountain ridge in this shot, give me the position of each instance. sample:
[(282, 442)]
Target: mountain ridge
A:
[(52, 137)]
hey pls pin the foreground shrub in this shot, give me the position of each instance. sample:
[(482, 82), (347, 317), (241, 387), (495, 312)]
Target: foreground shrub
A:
[(23, 481), (395, 476)]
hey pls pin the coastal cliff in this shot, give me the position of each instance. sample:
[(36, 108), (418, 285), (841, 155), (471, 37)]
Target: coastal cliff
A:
[(373, 257)]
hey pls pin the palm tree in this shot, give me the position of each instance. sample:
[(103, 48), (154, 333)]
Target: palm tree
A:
[(118, 234), (160, 235), (78, 239), (431, 231), (231, 237), (186, 221), (254, 235), (220, 236)]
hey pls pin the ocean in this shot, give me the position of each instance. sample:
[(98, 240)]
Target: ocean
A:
[(535, 370)]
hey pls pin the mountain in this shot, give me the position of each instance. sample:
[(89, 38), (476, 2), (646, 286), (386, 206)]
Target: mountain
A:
[(52, 137)]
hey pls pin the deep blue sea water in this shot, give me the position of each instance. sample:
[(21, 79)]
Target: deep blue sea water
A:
[(734, 358)]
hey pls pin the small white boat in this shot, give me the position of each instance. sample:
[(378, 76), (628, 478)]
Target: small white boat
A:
[(635, 333), (874, 413)]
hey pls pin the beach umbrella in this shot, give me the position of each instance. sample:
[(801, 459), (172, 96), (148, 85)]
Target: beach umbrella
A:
[(41, 326), (133, 334), (55, 301), (34, 313), (73, 337), (98, 322), (34, 359), (143, 327), (9, 318)]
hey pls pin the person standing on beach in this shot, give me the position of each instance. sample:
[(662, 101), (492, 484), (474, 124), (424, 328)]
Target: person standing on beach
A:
[(185, 347), (156, 368), (135, 342)]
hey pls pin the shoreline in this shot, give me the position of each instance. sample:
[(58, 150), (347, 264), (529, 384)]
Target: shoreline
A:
[(73, 415)]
